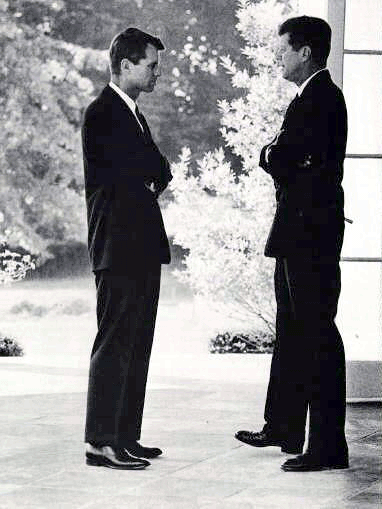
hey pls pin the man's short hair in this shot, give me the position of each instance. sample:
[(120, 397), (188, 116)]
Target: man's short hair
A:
[(130, 44), (309, 31)]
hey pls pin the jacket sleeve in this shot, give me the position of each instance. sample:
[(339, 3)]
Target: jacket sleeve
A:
[(165, 177), (263, 162), (303, 148)]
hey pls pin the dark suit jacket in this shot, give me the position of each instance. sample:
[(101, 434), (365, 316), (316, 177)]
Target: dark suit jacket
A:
[(306, 163), (125, 223)]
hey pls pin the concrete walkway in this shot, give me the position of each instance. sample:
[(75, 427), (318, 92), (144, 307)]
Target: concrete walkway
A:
[(195, 403), (193, 420)]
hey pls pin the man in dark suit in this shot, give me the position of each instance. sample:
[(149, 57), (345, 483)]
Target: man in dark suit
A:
[(306, 162), (124, 175)]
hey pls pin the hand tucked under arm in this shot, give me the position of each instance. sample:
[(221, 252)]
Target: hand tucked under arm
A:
[(297, 149), (161, 183)]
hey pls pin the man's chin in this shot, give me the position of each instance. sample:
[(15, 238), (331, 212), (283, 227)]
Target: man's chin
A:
[(150, 87), (287, 77)]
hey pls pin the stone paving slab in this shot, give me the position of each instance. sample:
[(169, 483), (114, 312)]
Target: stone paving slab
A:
[(203, 466)]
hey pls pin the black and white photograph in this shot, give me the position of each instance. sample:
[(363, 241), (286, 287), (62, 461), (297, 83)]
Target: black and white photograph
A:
[(191, 254)]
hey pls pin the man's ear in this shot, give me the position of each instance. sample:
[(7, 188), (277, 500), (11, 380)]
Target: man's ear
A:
[(306, 52), (125, 64)]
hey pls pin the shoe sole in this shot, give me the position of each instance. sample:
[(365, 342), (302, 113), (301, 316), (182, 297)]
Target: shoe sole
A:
[(313, 468), (145, 456), (101, 461)]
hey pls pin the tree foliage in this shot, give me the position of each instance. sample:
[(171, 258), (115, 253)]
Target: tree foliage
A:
[(42, 96), (13, 266), (54, 61), (222, 216)]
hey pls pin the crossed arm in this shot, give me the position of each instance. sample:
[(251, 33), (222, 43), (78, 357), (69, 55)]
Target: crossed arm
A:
[(295, 149), (116, 155), (308, 142), (306, 157)]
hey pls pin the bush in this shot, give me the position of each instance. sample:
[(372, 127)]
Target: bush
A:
[(29, 308), (13, 265), (75, 308), (70, 259), (221, 214), (259, 342), (10, 348)]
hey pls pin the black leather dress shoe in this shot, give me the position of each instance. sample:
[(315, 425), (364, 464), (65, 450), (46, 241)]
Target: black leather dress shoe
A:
[(120, 459), (264, 439), (136, 449), (310, 463), (257, 439)]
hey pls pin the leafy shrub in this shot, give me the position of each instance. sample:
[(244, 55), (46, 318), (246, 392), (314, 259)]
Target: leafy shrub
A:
[(221, 214), (259, 342), (75, 308), (29, 308), (13, 266), (9, 347)]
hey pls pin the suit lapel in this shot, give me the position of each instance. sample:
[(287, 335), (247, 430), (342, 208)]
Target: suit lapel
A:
[(290, 110), (292, 104), (125, 112), (322, 78), (311, 88)]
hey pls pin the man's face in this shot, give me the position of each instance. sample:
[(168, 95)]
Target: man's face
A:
[(145, 73), (291, 60)]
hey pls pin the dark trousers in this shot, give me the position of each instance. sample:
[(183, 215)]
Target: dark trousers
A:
[(126, 312), (308, 363)]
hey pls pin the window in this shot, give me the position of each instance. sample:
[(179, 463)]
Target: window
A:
[(357, 62)]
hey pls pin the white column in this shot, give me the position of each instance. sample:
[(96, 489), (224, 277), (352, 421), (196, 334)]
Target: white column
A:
[(336, 19)]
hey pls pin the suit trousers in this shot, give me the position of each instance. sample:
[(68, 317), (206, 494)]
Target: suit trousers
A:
[(308, 363), (126, 312)]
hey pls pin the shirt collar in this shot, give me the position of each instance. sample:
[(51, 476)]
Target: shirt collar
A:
[(301, 87), (128, 100)]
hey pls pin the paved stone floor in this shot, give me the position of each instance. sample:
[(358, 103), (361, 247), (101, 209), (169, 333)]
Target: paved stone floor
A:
[(203, 466)]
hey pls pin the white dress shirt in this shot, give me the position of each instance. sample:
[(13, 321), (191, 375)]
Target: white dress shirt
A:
[(127, 99)]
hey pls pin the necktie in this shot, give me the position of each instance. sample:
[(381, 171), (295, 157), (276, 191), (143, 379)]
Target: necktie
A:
[(142, 121), (290, 109), (147, 135)]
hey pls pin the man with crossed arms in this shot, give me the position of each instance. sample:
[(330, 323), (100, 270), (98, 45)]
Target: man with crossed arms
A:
[(306, 162), (124, 175)]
